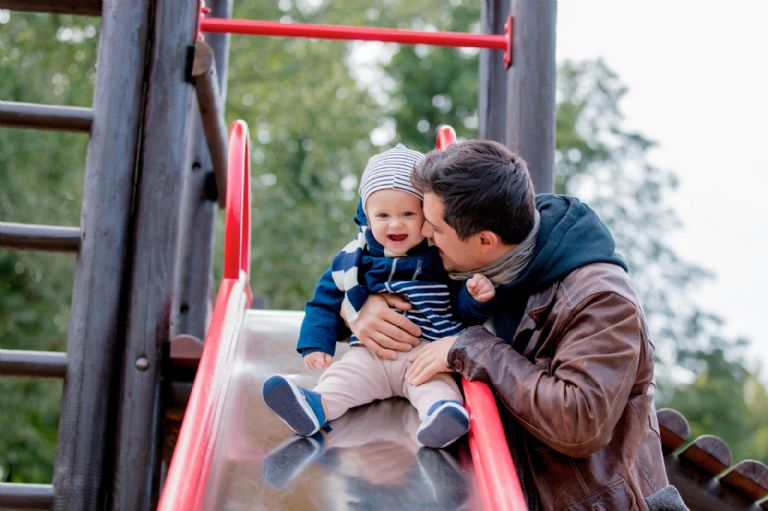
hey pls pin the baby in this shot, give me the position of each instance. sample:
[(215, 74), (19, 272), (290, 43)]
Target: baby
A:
[(390, 255)]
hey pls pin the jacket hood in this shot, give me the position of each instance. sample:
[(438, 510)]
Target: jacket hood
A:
[(570, 236)]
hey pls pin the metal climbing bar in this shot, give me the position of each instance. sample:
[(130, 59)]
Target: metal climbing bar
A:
[(39, 237), (26, 496), (46, 364), (86, 7), (53, 117), (354, 33)]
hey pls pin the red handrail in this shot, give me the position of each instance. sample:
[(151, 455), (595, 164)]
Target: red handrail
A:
[(237, 229), (185, 483), (446, 136), (500, 488), (348, 32)]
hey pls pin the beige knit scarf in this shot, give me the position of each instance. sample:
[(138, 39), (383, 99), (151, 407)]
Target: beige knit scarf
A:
[(506, 268)]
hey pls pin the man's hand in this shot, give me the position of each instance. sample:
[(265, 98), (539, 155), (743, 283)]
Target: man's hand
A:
[(430, 359), (481, 288), (317, 360), (382, 330)]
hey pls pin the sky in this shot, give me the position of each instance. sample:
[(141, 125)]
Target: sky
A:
[(698, 81)]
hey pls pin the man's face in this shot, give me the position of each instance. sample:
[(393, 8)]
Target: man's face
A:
[(395, 218), (458, 255)]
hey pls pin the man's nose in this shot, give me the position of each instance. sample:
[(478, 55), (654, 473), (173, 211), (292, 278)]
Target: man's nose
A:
[(426, 230)]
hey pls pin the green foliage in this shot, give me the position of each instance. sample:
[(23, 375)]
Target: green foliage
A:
[(311, 129), (436, 85), (726, 400), (43, 59)]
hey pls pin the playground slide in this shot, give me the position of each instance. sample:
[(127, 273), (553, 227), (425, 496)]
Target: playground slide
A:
[(233, 453)]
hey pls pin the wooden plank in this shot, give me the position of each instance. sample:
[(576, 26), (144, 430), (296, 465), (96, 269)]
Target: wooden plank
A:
[(46, 364), (701, 491), (493, 75), (194, 273), (673, 427), (39, 237), (748, 477), (88, 7), (97, 317), (531, 89), (149, 305), (53, 117), (186, 350), (709, 453)]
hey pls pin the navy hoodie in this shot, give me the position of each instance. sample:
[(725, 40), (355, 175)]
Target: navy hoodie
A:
[(570, 236)]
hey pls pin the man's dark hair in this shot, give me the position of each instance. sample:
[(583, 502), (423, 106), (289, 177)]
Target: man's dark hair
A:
[(483, 186)]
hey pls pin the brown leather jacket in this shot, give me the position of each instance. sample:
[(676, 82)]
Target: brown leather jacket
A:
[(581, 392)]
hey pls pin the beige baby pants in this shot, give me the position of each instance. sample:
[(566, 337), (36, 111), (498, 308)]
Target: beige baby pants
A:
[(361, 377)]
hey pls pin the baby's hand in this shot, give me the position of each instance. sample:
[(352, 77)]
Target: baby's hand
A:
[(481, 288), (317, 360)]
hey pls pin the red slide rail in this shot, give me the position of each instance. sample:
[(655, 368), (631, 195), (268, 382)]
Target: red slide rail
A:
[(497, 479), (188, 473)]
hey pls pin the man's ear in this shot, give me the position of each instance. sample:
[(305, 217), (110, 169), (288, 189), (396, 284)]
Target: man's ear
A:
[(488, 241)]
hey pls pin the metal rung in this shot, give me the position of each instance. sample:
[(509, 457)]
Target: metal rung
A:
[(26, 496), (39, 237), (52, 117), (90, 7), (45, 364)]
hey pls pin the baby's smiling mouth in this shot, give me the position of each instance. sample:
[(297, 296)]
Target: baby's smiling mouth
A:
[(397, 237)]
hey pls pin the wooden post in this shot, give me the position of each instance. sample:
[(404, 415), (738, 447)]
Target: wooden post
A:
[(493, 75), (97, 322), (531, 89), (195, 271), (211, 111), (158, 197)]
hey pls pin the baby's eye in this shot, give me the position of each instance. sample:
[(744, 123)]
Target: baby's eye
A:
[(408, 213), (382, 215)]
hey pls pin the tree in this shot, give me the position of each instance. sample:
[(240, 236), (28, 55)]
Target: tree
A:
[(725, 399), (310, 128)]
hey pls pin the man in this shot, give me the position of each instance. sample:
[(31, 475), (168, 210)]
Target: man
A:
[(567, 349)]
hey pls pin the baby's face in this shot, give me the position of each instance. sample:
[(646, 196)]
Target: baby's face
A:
[(395, 218)]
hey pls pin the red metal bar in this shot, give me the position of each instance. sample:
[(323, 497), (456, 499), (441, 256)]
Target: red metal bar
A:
[(499, 485), (188, 472), (237, 227), (446, 136), (346, 32)]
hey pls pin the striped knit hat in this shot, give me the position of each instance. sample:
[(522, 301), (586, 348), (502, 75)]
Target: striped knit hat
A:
[(390, 170)]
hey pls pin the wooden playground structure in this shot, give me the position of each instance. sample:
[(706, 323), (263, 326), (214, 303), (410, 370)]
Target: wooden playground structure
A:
[(144, 249)]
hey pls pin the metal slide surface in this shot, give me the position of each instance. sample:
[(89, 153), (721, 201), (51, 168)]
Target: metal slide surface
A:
[(370, 460), (232, 453)]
